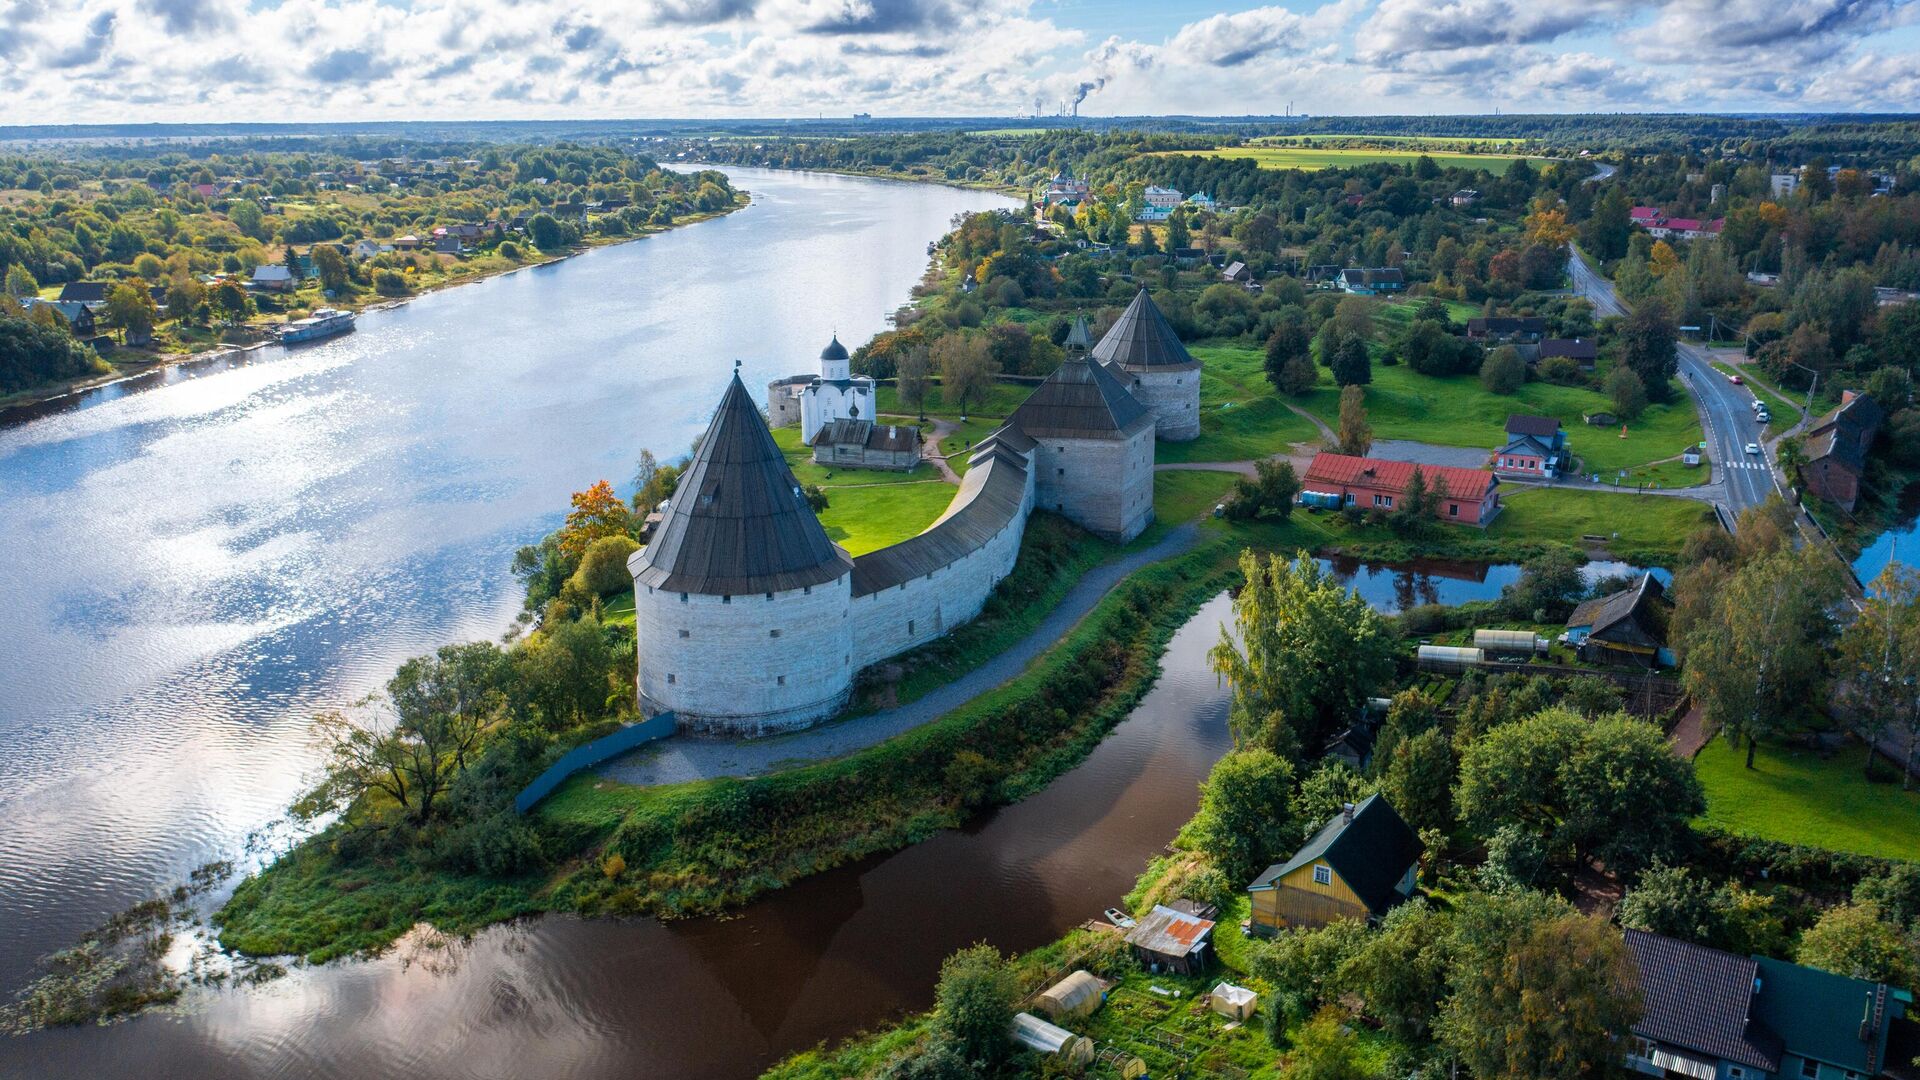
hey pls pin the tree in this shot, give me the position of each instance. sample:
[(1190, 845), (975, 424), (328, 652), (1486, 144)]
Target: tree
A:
[(1610, 228), (1177, 235), (1550, 584), (1880, 663), (974, 1003), (1855, 941), (653, 483), (1896, 891), (1288, 347), (913, 373), (1503, 372), (596, 512), (966, 369), (1759, 658), (1270, 493), (331, 266), (1626, 391), (1242, 823), (31, 354), (546, 233), (1324, 1049), (1647, 346), (20, 282), (131, 309), (1401, 972), (1671, 901), (1419, 779), (1352, 364), (1537, 996), (603, 566), (1547, 224), (1356, 435), (1609, 788), (1308, 654)]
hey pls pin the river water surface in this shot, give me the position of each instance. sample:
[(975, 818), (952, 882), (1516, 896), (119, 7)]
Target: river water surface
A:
[(197, 561)]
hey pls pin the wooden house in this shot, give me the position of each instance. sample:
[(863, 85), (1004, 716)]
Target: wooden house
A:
[(1627, 627), (1358, 866), (1836, 448), (1175, 940)]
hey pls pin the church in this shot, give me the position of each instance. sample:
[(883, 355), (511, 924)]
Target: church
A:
[(750, 621)]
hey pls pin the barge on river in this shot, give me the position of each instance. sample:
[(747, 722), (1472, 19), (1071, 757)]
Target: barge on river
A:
[(324, 323)]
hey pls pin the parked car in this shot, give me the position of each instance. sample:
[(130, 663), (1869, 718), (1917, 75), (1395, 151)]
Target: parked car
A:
[(1763, 416), (1737, 380)]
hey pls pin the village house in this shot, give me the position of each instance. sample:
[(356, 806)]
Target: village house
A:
[(1659, 225), (78, 316), (1836, 448), (1373, 281), (406, 243), (367, 249), (1465, 197), (85, 292), (1713, 1014), (1507, 329), (1064, 189), (1160, 203), (1470, 496), (272, 277), (1536, 448), (1360, 865), (1200, 200), (1580, 350), (1237, 273), (1176, 938), (1626, 627), (863, 444)]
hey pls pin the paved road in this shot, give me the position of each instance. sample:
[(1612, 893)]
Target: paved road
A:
[(679, 759), (1725, 409)]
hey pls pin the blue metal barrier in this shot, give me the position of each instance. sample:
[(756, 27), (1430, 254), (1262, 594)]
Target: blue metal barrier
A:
[(587, 755)]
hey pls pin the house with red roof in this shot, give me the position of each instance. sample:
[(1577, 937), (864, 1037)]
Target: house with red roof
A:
[(1658, 224), (1470, 496)]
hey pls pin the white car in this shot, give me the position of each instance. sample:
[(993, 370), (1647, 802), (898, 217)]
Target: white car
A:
[(1753, 448)]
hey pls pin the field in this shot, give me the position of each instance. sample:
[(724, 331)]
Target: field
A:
[(1644, 529), (1456, 411), (868, 508), (1438, 140), (1185, 495), (1240, 417), (1313, 157), (1799, 798)]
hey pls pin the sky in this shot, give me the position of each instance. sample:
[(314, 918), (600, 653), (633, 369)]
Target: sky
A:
[(123, 61)]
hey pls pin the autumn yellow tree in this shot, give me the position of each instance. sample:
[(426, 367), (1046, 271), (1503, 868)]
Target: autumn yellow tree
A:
[(596, 512), (1663, 260), (1547, 224)]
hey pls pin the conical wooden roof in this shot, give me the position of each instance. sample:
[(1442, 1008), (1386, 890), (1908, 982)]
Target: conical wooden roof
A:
[(1080, 400), (1080, 337), (738, 522), (1141, 338)]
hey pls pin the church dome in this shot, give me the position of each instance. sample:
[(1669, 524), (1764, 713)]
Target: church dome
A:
[(834, 350)]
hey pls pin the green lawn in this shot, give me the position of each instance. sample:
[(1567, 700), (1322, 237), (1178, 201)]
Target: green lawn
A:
[(1314, 157), (1185, 495), (1799, 798), (800, 460), (618, 609), (1240, 416), (963, 438), (1640, 528), (868, 508), (1000, 401), (1445, 140), (1456, 411)]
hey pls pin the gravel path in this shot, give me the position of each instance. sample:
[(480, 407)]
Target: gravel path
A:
[(677, 760)]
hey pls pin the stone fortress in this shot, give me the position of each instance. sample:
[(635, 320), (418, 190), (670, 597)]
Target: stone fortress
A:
[(751, 622)]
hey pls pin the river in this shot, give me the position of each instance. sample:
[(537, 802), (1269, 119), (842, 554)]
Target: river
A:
[(199, 559)]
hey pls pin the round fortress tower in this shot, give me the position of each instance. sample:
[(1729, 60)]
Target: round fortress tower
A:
[(1142, 351), (741, 603)]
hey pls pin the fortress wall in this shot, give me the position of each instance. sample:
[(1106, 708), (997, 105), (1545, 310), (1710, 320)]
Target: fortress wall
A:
[(746, 665), (783, 405), (922, 588), (1103, 485), (1174, 397)]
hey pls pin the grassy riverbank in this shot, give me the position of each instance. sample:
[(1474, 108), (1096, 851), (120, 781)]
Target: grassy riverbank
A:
[(697, 848)]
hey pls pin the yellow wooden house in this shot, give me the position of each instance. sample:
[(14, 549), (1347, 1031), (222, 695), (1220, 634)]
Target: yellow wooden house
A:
[(1358, 866)]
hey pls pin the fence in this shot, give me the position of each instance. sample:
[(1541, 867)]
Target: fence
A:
[(590, 754)]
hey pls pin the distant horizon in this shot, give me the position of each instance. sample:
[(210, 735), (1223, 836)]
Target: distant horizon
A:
[(169, 61)]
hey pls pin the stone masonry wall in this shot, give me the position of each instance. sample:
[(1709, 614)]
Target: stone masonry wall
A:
[(1174, 397), (745, 665), (1103, 485)]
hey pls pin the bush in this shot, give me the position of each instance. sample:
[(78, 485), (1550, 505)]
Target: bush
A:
[(1562, 371), (603, 568), (1503, 372), (391, 283)]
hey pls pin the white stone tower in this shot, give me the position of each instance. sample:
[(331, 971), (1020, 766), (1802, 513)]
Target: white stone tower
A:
[(741, 603), (1094, 461), (1144, 353)]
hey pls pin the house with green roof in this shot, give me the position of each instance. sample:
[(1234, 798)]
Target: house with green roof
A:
[(1358, 866), (1712, 1015)]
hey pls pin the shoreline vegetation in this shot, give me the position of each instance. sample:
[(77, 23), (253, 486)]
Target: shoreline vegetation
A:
[(189, 252)]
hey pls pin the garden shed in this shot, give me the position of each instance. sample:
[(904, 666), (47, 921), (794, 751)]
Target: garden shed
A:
[(1079, 994), (1233, 1002)]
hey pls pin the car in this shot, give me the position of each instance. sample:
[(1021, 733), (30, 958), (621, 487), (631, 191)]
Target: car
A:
[(1763, 416), (1737, 380), (1753, 448)]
